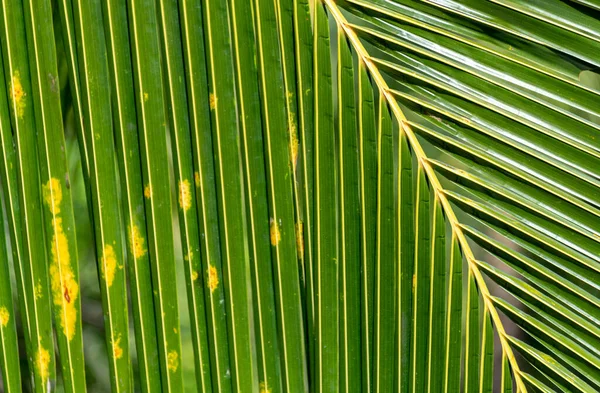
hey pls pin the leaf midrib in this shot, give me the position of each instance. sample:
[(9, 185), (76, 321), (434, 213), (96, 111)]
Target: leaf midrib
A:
[(438, 190)]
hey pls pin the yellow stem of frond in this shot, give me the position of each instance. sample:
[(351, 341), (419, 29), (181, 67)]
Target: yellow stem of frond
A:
[(438, 189)]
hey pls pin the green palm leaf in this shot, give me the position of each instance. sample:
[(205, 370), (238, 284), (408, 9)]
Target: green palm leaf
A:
[(430, 78), (360, 195)]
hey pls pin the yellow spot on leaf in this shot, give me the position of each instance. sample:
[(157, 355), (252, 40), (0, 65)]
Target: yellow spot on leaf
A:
[(42, 364), (294, 144), (52, 192), (275, 234), (173, 361), (189, 256), (136, 242), (37, 291), (145, 97), (109, 264), (194, 275), (65, 288), (264, 388), (17, 94), (197, 179), (213, 278), (414, 282), (300, 239), (147, 191), (213, 101), (117, 350), (185, 195), (4, 316)]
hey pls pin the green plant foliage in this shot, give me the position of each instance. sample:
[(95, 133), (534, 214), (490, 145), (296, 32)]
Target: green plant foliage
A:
[(300, 196)]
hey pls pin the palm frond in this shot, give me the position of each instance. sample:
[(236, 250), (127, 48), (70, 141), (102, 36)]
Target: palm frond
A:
[(366, 195), (440, 91)]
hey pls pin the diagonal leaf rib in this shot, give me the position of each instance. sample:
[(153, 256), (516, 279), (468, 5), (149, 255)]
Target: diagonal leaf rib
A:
[(421, 157)]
